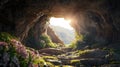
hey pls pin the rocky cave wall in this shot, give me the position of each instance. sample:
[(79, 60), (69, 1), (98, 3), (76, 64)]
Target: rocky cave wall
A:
[(97, 20)]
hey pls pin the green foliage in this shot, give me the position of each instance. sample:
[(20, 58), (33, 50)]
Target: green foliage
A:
[(43, 41), (79, 37), (46, 41), (12, 51), (75, 43), (23, 62), (50, 64), (83, 51), (50, 57), (3, 49), (74, 61), (40, 61), (6, 37), (72, 45)]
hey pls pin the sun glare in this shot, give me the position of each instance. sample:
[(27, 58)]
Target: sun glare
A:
[(61, 22)]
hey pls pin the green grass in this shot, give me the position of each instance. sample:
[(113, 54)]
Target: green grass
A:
[(83, 51), (50, 64), (50, 57), (78, 38), (39, 60), (74, 61), (47, 41)]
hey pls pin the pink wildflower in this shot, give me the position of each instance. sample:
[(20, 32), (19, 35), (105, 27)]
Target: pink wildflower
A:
[(3, 44)]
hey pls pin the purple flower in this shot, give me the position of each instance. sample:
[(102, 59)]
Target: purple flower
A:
[(20, 49), (3, 44)]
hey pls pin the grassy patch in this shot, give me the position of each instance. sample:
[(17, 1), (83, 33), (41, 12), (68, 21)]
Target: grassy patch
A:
[(47, 41), (74, 61), (75, 43), (50, 64), (83, 51), (50, 57)]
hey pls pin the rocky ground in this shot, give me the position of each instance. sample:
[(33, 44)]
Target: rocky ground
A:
[(79, 58), (14, 54)]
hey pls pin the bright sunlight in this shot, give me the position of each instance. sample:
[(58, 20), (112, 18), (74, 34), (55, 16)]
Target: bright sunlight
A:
[(61, 22)]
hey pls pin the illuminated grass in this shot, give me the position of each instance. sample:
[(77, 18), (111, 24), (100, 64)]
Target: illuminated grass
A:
[(50, 57)]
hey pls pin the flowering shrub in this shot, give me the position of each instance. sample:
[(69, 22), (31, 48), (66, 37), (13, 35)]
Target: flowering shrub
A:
[(13, 53), (20, 49)]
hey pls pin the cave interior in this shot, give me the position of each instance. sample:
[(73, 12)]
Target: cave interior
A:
[(96, 22)]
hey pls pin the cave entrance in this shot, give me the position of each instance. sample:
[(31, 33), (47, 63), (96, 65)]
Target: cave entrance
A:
[(63, 29)]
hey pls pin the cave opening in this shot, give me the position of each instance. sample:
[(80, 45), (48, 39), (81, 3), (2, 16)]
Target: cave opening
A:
[(63, 29)]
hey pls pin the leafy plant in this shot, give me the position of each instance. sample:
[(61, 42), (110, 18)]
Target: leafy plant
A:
[(15, 51), (46, 41), (42, 41), (6, 37), (40, 61), (23, 62), (12, 51), (76, 42)]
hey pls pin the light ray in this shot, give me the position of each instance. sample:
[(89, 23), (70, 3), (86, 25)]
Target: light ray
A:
[(61, 22)]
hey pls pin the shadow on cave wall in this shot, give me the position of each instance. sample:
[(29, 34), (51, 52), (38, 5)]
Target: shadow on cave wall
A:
[(97, 20)]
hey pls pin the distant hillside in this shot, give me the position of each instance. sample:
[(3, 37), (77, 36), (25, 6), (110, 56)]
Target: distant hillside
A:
[(64, 34)]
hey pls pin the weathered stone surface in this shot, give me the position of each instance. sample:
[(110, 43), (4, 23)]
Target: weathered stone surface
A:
[(53, 36), (93, 62), (95, 53), (51, 51)]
